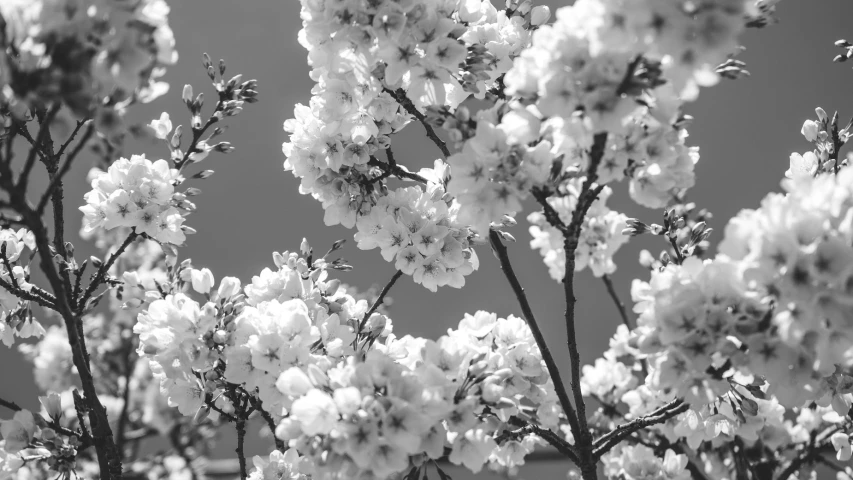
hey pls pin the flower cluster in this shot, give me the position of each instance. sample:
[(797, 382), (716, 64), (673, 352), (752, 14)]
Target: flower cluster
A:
[(414, 397), (417, 230), (15, 317), (599, 239), (138, 194), (773, 303), (346, 393), (375, 65), (497, 167), (639, 462), (93, 56)]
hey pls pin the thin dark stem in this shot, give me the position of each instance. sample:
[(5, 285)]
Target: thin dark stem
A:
[(552, 438), (10, 405), (396, 170), (37, 145), (617, 435), (102, 272), (400, 96), (57, 178), (554, 372), (379, 300), (198, 132), (241, 435), (678, 255), (608, 282), (258, 405)]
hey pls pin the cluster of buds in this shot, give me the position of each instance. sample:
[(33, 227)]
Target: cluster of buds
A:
[(686, 232), (232, 94), (828, 139), (848, 51)]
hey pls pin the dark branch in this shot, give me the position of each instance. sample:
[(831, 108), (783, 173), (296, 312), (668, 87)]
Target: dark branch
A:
[(608, 282), (400, 96), (102, 272), (379, 300), (615, 436), (554, 372)]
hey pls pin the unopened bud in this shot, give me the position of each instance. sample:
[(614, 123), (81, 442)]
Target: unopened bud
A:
[(304, 247), (203, 174), (821, 114), (176, 137), (187, 95), (539, 15)]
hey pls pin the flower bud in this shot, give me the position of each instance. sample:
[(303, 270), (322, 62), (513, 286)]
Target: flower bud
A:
[(228, 287), (202, 280), (810, 130), (187, 95), (539, 15), (52, 404)]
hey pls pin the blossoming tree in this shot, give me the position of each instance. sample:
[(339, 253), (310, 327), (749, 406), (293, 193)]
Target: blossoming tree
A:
[(737, 364)]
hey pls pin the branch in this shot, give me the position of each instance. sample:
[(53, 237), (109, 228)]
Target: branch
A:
[(67, 164), (608, 282), (554, 372), (552, 438), (10, 405), (241, 434), (615, 436), (587, 196), (36, 144), (400, 96), (257, 404), (393, 169), (379, 300), (125, 408), (102, 272)]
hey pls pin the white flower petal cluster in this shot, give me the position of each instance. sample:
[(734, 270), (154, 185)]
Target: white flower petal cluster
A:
[(417, 230), (92, 55), (775, 302), (286, 465), (580, 60), (639, 462), (599, 240), (14, 321), (497, 167), (436, 53), (414, 397), (136, 193), (351, 400)]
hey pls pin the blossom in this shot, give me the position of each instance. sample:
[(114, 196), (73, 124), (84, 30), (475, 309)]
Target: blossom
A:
[(162, 126), (135, 193)]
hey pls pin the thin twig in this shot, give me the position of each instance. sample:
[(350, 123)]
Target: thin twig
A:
[(241, 434), (608, 282), (396, 170), (102, 272), (553, 371), (10, 405), (615, 436), (400, 96), (258, 405), (379, 300), (586, 197), (48, 193), (552, 438)]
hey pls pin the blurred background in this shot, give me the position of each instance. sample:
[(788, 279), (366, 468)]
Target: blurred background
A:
[(746, 129)]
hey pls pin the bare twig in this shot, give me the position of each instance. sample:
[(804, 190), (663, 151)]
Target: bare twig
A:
[(608, 282), (615, 436), (400, 96), (241, 435), (389, 169), (60, 173), (553, 371), (379, 300), (102, 272)]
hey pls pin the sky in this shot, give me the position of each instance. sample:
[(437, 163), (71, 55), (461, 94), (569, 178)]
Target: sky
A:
[(746, 130)]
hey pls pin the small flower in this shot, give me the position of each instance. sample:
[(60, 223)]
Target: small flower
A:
[(202, 280), (162, 127), (810, 130)]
